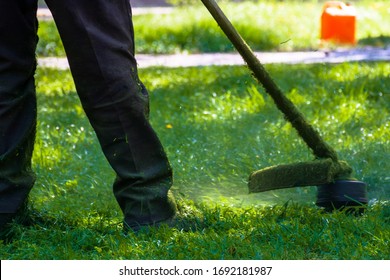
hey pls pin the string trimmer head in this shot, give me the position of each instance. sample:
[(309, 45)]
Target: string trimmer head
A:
[(333, 177)]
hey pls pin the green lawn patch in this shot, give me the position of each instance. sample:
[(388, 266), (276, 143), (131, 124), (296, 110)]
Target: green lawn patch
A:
[(217, 126)]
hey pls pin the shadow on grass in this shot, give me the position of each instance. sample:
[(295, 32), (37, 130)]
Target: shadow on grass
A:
[(379, 41)]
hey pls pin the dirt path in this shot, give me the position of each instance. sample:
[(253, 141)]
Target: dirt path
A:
[(138, 8), (183, 60), (134, 3), (149, 3)]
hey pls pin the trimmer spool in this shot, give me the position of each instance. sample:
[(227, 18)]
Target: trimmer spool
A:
[(348, 195)]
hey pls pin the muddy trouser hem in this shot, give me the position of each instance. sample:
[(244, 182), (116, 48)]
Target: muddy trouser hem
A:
[(99, 41)]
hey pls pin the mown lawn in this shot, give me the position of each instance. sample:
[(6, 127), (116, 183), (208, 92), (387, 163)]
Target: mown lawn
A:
[(217, 126)]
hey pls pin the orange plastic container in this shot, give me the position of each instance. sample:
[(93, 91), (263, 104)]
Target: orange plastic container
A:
[(338, 22)]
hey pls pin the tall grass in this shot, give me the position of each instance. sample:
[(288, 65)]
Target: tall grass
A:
[(217, 126), (266, 25), (225, 108)]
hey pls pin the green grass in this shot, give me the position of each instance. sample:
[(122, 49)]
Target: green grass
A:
[(217, 126), (292, 232), (266, 26)]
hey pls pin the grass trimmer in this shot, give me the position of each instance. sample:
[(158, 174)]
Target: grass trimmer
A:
[(336, 187)]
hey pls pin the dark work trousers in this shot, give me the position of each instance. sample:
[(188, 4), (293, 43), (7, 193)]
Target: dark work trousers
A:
[(99, 42)]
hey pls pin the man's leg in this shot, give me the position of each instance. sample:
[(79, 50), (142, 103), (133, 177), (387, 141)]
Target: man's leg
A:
[(99, 42), (18, 26)]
